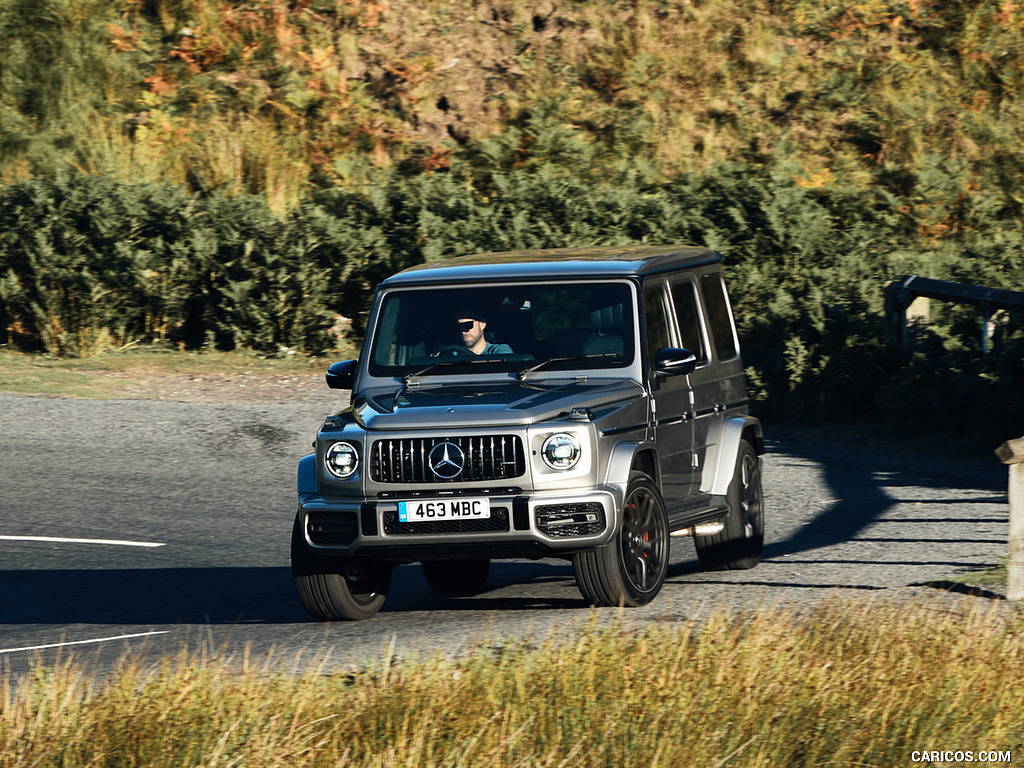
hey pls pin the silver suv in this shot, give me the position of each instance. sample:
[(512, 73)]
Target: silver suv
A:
[(586, 404)]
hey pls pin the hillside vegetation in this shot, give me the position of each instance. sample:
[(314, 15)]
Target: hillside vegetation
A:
[(920, 99), (235, 174)]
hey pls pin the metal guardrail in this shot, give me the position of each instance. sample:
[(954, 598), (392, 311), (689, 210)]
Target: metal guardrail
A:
[(899, 294)]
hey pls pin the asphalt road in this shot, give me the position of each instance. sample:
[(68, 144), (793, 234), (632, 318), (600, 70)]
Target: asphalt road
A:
[(86, 485)]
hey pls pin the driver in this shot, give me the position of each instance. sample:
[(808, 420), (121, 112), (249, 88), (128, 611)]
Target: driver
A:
[(472, 323)]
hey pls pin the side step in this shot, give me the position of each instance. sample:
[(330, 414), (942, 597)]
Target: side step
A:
[(700, 522)]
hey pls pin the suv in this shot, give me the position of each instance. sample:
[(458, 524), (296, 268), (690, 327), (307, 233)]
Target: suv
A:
[(586, 404)]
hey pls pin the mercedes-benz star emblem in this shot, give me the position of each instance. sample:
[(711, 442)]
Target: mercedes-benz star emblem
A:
[(446, 460)]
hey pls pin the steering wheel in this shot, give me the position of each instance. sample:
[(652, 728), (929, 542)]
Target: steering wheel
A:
[(452, 350)]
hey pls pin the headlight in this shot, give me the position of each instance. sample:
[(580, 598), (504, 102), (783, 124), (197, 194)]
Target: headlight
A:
[(561, 451), (341, 459)]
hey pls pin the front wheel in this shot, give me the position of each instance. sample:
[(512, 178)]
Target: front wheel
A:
[(630, 570), (739, 544), (332, 589)]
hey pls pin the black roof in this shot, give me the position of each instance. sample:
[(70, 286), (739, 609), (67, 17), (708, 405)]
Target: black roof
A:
[(604, 261)]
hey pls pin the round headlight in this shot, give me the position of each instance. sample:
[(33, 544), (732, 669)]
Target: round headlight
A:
[(341, 459), (561, 451)]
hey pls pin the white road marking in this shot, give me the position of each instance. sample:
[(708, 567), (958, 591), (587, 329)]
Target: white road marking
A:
[(83, 642), (59, 540)]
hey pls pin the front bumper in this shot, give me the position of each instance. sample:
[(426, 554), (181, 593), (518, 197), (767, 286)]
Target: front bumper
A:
[(522, 524)]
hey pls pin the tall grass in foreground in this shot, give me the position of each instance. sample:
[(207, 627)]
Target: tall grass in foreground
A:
[(842, 685)]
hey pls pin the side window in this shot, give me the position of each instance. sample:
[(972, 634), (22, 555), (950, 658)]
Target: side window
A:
[(688, 318), (386, 348), (655, 323), (719, 316)]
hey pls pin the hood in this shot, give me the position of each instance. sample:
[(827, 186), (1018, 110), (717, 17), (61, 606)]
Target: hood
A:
[(484, 404)]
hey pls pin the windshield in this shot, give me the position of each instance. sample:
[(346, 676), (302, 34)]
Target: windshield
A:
[(505, 328)]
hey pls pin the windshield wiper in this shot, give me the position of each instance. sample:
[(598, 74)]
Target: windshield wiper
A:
[(408, 378), (520, 375)]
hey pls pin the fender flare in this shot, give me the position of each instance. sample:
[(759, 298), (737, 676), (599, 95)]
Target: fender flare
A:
[(306, 482), (720, 460), (620, 464)]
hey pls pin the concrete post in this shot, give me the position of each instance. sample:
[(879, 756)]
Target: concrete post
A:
[(897, 336), (1012, 452)]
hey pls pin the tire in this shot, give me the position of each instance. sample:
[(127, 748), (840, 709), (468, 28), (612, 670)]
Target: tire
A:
[(630, 570), (738, 546), (456, 577), (332, 589)]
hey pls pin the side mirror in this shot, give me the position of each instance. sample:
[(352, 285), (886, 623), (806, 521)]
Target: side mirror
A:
[(672, 361), (341, 374)]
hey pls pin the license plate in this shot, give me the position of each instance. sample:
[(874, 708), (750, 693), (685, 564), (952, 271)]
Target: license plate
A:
[(443, 509)]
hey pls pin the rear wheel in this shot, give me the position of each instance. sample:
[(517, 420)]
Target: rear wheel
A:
[(739, 544), (456, 577), (631, 569), (332, 588)]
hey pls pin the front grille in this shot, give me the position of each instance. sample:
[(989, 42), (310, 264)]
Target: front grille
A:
[(494, 457), (496, 523), (332, 529), (563, 521)]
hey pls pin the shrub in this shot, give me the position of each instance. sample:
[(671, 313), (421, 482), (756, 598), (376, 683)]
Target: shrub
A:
[(84, 254)]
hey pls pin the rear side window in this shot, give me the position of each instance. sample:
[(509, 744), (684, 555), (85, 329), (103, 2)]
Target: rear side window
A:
[(688, 319), (720, 316)]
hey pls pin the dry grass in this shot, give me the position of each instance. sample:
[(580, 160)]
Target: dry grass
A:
[(119, 372), (845, 684), (126, 358)]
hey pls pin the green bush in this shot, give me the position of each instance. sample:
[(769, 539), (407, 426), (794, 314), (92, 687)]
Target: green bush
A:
[(83, 254), (147, 263)]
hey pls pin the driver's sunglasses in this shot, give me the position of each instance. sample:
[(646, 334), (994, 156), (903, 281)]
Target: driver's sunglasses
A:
[(466, 325)]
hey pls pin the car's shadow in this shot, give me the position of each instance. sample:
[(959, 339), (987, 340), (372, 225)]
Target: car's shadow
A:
[(162, 596), (859, 487)]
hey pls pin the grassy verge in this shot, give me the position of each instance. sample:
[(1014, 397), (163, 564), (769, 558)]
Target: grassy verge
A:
[(990, 577), (109, 373), (845, 684), (990, 582)]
